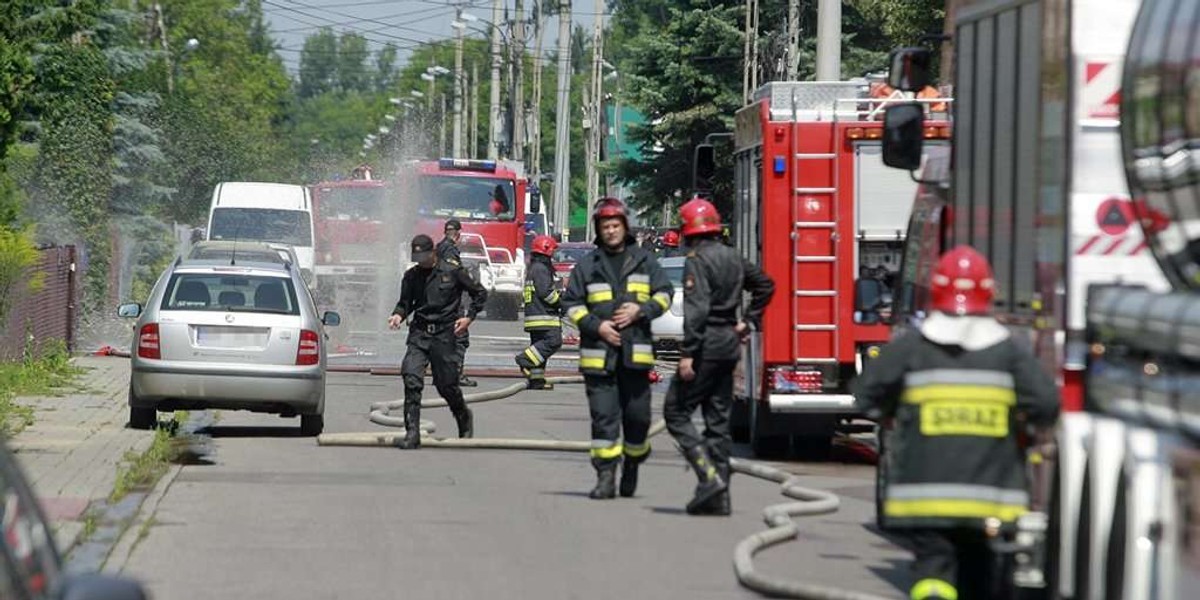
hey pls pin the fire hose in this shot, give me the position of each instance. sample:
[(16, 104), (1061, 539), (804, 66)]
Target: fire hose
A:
[(783, 528)]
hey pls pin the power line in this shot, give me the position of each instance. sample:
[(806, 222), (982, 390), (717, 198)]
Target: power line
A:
[(328, 22), (440, 9)]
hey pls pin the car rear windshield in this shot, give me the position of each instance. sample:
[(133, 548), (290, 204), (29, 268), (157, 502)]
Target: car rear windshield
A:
[(231, 292), (261, 224), (570, 255)]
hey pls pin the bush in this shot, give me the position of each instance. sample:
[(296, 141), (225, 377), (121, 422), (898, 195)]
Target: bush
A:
[(17, 256)]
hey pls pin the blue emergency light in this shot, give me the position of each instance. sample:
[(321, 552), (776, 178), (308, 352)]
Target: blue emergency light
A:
[(780, 164), (466, 164)]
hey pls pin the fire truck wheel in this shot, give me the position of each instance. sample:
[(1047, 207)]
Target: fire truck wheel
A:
[(764, 445)]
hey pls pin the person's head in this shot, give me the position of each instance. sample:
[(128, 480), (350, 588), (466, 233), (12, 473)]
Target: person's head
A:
[(962, 283), (422, 251), (670, 239), (453, 230), (544, 245), (611, 222), (698, 217)]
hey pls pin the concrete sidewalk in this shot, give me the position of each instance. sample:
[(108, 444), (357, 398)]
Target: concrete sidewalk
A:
[(72, 451)]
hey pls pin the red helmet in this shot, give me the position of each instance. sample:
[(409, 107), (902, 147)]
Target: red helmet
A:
[(544, 245), (607, 208), (699, 217), (963, 283), (670, 239)]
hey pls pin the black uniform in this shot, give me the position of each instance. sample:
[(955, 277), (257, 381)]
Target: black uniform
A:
[(431, 301), (715, 277), (447, 251), (618, 386), (543, 320), (954, 456)]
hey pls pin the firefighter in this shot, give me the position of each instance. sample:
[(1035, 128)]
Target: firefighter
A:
[(959, 391), (715, 277), (670, 244), (542, 313), (612, 296), (430, 300), (447, 250)]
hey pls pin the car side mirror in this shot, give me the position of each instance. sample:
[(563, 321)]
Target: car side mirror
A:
[(903, 135), (93, 586), (129, 311), (704, 168), (535, 199), (909, 69), (331, 319)]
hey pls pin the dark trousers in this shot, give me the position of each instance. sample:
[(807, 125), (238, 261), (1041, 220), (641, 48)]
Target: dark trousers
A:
[(438, 351), (543, 343), (461, 343), (619, 402), (959, 557), (712, 392)]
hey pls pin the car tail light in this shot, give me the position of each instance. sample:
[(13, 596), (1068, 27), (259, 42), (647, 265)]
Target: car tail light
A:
[(796, 381), (309, 352), (148, 342)]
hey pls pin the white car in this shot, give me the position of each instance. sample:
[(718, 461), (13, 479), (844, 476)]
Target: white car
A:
[(508, 276), (668, 328)]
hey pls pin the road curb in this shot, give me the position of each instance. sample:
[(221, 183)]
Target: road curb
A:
[(120, 553)]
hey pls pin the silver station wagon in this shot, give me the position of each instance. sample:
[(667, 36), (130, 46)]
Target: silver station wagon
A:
[(215, 335)]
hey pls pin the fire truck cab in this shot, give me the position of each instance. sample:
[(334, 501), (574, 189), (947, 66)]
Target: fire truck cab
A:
[(826, 219)]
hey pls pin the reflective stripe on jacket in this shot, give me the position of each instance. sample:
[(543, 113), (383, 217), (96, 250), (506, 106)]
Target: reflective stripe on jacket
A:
[(593, 295)]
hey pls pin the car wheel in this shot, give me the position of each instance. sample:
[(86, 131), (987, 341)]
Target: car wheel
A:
[(142, 418), (311, 425)]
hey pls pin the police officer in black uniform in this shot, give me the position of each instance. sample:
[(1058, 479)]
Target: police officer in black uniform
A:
[(543, 313), (447, 251), (715, 277), (613, 295), (431, 301), (960, 392)]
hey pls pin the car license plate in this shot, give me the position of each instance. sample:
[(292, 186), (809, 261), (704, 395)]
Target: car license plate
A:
[(232, 337)]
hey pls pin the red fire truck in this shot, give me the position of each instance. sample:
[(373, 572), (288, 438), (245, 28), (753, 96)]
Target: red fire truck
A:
[(348, 220), (827, 221), (490, 198)]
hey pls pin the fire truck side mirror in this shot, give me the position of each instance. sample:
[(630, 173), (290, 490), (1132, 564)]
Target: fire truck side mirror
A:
[(909, 70), (535, 198), (704, 168), (903, 135)]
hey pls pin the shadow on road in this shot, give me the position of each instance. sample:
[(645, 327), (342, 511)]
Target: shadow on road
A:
[(225, 431)]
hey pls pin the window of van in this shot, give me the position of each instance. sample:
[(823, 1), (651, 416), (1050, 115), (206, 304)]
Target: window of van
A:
[(261, 224)]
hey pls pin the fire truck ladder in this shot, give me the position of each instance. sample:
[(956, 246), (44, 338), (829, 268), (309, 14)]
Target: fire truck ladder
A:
[(815, 278)]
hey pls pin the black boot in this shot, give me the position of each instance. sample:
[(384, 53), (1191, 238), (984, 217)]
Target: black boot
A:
[(412, 426), (464, 381), (466, 423), (629, 474), (719, 505), (606, 479), (710, 482)]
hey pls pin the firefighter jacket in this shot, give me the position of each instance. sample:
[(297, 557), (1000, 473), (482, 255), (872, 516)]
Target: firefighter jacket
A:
[(543, 306), (448, 251), (953, 454), (714, 278), (593, 294), (432, 298)]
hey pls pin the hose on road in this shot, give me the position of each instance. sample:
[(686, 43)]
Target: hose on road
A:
[(778, 517)]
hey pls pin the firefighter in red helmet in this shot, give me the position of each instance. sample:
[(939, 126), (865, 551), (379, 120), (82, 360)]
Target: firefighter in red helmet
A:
[(542, 313), (612, 296), (670, 244), (714, 279), (959, 391)]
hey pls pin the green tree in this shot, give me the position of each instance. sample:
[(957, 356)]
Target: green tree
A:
[(385, 68), (352, 54), (318, 63)]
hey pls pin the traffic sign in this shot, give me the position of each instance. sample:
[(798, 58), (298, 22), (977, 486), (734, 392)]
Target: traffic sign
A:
[(1114, 215)]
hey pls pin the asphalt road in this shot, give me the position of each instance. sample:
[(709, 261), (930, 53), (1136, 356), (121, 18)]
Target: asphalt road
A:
[(273, 515)]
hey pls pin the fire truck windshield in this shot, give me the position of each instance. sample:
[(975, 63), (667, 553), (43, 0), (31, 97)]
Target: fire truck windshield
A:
[(484, 198), (352, 203)]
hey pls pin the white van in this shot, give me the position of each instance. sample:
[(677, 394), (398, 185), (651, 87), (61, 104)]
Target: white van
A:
[(264, 212)]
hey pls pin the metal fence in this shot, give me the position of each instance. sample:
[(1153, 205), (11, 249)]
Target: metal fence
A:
[(38, 318)]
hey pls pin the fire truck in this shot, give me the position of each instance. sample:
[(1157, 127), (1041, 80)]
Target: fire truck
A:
[(1071, 171), (349, 219), (827, 221), (490, 198)]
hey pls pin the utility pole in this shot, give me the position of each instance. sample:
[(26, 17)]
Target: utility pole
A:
[(474, 87), (432, 79), (518, 136), (535, 142), (562, 129), (459, 26), (161, 28), (596, 113), (750, 52), (793, 45), (442, 135), (494, 105), (829, 40)]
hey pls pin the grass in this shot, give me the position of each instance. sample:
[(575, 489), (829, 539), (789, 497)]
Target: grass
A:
[(33, 376), (140, 471)]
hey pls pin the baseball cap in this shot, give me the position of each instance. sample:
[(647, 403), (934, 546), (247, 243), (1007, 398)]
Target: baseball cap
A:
[(453, 224), (422, 246)]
